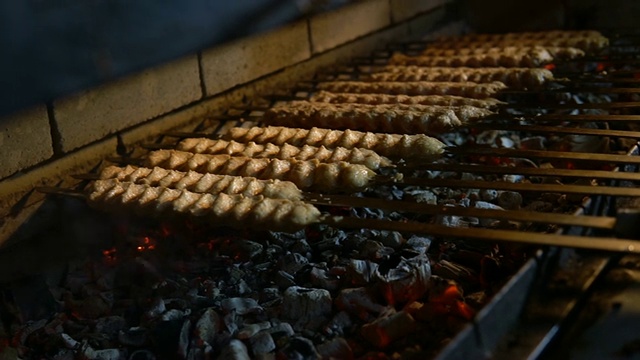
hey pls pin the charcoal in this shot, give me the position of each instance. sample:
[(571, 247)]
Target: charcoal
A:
[(301, 247), (336, 348), (293, 262), (307, 307), (373, 250), (408, 281), (418, 243), (208, 325), (241, 249), (320, 278), (387, 328), (142, 355), (283, 279), (281, 332), (110, 325), (165, 336), (232, 322), (510, 200), (262, 343), (135, 336), (361, 272), (174, 314), (300, 348), (488, 194), (156, 308), (69, 342), (269, 294), (358, 302), (235, 350), (241, 306), (423, 196), (392, 239), (183, 340), (250, 330), (339, 324)]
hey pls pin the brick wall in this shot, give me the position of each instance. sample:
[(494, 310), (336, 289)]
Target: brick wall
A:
[(37, 143)]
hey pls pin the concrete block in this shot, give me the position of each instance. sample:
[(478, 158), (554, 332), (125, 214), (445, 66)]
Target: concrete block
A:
[(25, 140), (94, 114), (402, 10), (248, 59), (347, 23)]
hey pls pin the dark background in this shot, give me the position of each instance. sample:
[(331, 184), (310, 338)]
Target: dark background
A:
[(51, 48)]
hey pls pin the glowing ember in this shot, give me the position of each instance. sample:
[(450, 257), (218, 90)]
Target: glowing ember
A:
[(550, 67), (146, 244)]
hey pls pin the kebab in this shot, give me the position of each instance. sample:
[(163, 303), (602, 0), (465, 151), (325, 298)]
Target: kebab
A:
[(365, 157), (587, 44), (222, 209), (526, 35), (557, 52), (391, 145), (531, 58), (379, 99), (464, 89), (517, 78), (203, 183), (309, 174), (399, 118)]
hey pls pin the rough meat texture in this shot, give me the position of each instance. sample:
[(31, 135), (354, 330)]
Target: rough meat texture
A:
[(365, 157), (409, 87), (311, 174), (531, 58), (203, 183), (379, 99), (399, 119), (391, 145), (525, 35), (564, 53), (220, 209), (588, 44), (516, 78)]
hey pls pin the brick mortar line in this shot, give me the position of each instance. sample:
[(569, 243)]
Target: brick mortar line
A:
[(56, 136), (203, 85)]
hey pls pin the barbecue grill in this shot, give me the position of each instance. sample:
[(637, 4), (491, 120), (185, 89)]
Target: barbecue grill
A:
[(525, 213)]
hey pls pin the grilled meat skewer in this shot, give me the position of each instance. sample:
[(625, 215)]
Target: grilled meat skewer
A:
[(365, 157), (533, 57), (379, 99), (557, 52), (517, 78), (391, 145), (398, 118), (460, 88), (203, 183), (588, 44), (220, 209), (310, 174)]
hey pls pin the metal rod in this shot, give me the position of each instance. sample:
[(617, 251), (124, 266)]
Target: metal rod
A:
[(600, 222), (557, 130), (576, 89), (553, 106), (586, 118), (508, 170), (608, 244), (543, 154), (523, 187)]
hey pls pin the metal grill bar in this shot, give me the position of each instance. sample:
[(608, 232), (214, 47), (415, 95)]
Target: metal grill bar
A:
[(608, 244), (508, 170), (525, 187), (540, 154), (557, 130)]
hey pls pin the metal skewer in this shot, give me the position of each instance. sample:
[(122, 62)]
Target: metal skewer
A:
[(608, 244)]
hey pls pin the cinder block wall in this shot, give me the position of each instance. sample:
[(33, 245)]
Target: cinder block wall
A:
[(37, 143)]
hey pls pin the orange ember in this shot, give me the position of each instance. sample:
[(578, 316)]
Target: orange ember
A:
[(452, 302), (146, 244), (601, 67), (550, 66)]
